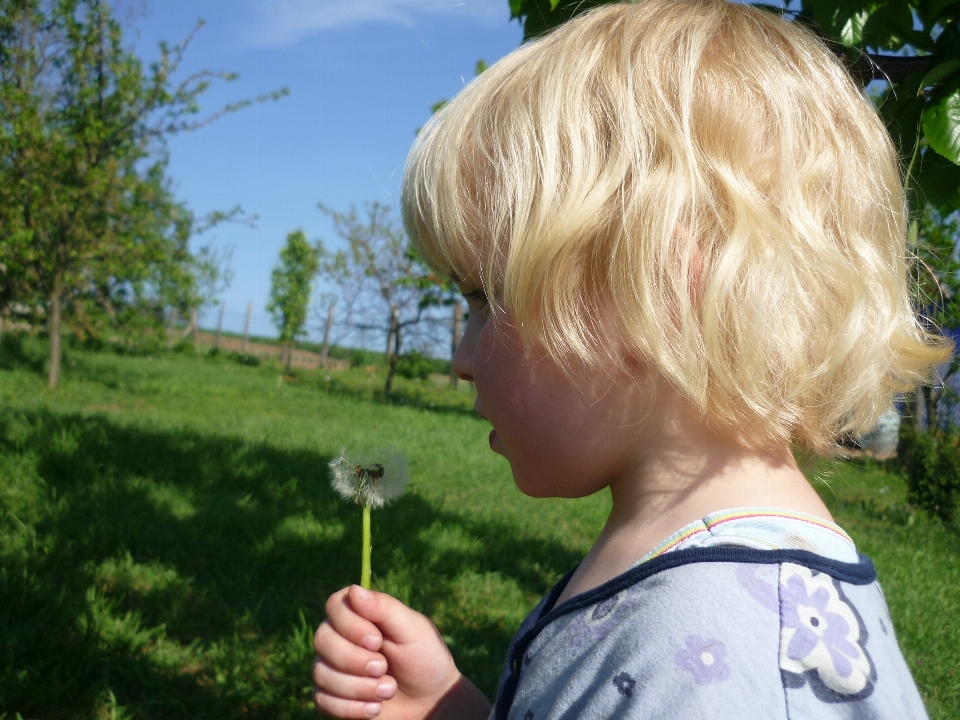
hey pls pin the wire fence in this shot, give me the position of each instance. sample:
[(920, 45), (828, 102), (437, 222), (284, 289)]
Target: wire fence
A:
[(234, 321), (430, 337)]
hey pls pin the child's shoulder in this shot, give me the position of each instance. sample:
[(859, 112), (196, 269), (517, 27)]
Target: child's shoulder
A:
[(714, 632)]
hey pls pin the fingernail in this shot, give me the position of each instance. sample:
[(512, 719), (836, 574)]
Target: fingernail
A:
[(372, 709), (376, 668), (385, 690), (371, 642), (362, 593)]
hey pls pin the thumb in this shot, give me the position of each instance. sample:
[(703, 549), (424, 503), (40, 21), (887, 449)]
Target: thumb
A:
[(398, 623)]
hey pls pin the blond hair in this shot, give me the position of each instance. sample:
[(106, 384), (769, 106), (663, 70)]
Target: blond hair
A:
[(709, 171)]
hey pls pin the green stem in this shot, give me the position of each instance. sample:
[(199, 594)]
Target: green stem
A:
[(365, 558), (913, 157)]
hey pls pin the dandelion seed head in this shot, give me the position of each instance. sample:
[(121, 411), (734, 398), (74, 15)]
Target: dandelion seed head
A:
[(373, 478)]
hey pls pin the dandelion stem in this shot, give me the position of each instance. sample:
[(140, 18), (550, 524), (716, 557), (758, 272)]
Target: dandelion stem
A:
[(365, 558)]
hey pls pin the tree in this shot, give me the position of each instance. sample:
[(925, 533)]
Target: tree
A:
[(290, 287), (384, 283), (88, 222)]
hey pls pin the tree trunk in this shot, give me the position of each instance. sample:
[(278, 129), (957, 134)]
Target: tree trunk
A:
[(455, 339), (53, 328), (389, 351), (395, 355), (171, 327), (223, 306), (289, 354), (325, 348)]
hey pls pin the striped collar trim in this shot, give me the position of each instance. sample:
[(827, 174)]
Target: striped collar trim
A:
[(684, 535)]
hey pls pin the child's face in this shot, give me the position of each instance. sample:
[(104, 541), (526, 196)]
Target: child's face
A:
[(563, 439)]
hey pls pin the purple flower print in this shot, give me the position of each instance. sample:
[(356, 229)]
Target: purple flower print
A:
[(806, 612), (822, 638), (761, 591), (704, 659)]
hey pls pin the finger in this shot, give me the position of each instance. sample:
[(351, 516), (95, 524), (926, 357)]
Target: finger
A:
[(340, 653), (346, 622), (351, 687), (339, 708), (394, 619)]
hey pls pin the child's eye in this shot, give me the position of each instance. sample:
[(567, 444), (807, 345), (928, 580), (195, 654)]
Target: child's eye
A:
[(477, 300)]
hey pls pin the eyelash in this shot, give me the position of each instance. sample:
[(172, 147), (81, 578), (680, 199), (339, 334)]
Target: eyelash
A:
[(479, 298)]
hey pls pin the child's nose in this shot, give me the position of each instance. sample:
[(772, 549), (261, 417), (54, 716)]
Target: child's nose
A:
[(463, 356)]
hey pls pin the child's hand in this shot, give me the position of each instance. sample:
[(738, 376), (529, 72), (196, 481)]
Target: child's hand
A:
[(372, 648)]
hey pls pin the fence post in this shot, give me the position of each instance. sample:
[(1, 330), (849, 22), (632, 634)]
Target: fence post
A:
[(223, 306), (325, 348), (246, 328)]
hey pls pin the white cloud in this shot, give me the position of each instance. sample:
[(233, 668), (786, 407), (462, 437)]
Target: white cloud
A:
[(283, 22)]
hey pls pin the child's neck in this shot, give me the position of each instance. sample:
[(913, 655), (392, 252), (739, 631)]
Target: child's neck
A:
[(685, 472)]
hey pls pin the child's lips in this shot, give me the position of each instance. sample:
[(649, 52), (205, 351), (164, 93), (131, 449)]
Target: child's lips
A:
[(493, 433), (478, 411)]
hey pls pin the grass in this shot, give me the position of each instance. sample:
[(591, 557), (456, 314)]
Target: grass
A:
[(168, 536)]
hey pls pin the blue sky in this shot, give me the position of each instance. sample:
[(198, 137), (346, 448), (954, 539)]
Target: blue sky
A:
[(362, 76)]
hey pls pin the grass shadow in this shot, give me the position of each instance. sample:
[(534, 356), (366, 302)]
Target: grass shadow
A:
[(22, 351), (184, 573)]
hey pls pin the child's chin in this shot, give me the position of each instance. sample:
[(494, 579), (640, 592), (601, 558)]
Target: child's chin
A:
[(535, 487), (541, 485)]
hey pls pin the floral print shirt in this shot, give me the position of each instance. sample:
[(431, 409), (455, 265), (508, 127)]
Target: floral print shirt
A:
[(716, 629)]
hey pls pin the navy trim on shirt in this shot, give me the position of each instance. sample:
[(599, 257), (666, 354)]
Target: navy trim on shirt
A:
[(859, 573)]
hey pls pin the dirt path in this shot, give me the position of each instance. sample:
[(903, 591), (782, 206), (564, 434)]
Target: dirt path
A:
[(301, 358)]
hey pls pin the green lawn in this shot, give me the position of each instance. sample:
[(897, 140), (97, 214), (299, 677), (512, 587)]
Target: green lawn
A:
[(168, 536)]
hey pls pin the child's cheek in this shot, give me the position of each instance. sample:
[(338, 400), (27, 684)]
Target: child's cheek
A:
[(554, 437)]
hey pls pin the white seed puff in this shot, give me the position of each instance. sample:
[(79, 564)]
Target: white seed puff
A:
[(372, 478)]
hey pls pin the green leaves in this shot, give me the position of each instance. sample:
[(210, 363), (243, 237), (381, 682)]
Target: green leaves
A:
[(941, 125), (842, 20), (890, 26), (922, 110), (541, 16), (939, 73), (938, 182), (291, 285), (851, 33), (87, 216)]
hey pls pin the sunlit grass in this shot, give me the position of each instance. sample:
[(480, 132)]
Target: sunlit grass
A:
[(168, 536)]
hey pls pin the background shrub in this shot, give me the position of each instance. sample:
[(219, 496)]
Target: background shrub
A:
[(358, 358), (414, 365), (245, 358), (185, 347), (932, 464)]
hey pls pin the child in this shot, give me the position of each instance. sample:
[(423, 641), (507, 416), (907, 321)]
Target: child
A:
[(679, 227)]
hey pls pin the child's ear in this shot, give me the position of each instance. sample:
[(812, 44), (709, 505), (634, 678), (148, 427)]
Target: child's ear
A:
[(687, 247), (695, 272)]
